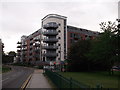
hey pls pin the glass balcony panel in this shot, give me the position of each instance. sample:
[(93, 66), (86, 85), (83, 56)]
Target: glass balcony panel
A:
[(51, 25), (48, 33), (50, 47), (50, 40), (50, 54), (18, 46)]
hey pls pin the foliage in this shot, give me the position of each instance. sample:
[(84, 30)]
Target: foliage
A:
[(7, 59), (12, 53), (5, 69), (77, 60), (103, 50), (99, 54)]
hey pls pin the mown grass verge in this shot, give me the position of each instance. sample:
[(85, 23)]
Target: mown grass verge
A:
[(93, 79)]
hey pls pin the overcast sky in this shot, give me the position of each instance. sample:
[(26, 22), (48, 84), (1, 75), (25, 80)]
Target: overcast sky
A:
[(23, 17)]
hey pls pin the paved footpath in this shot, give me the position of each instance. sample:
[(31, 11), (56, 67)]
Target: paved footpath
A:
[(38, 80)]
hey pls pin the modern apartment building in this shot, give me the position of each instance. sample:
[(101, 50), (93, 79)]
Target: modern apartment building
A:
[(29, 47), (54, 29), (52, 41), (74, 34)]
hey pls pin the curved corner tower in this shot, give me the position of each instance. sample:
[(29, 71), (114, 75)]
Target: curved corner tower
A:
[(54, 38), (50, 41)]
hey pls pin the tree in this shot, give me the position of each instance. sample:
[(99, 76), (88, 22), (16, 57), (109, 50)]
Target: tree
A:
[(77, 60), (103, 51), (8, 58), (12, 53)]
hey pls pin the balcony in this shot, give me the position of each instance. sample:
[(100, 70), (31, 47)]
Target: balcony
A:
[(18, 54), (18, 46), (50, 47), (36, 49), (19, 42), (37, 45), (37, 40), (50, 33), (24, 45), (50, 40), (51, 25), (24, 49), (18, 50), (50, 54)]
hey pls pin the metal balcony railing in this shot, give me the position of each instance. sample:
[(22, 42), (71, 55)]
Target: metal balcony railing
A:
[(50, 47), (50, 33), (18, 46), (36, 49), (36, 39), (47, 40), (24, 50), (37, 45), (18, 50), (24, 45), (19, 42), (51, 25), (18, 54), (50, 54)]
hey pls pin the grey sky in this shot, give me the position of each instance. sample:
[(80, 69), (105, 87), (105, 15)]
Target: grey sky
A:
[(23, 17)]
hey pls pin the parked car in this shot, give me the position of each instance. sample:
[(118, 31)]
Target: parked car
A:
[(116, 68)]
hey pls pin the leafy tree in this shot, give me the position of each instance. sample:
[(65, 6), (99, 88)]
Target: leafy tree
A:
[(8, 58), (77, 60), (103, 51), (12, 53)]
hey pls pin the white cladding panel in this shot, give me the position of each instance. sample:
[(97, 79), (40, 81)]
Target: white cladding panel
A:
[(60, 22)]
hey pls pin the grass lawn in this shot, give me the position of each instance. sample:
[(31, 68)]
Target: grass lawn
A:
[(94, 78), (5, 69)]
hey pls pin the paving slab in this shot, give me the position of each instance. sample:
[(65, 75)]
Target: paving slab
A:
[(38, 80)]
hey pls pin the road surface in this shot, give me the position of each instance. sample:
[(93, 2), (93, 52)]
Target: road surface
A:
[(16, 77)]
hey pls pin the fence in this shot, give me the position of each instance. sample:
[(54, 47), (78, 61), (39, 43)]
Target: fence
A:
[(62, 82)]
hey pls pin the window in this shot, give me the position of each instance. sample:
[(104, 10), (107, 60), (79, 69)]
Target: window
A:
[(59, 31), (81, 29), (74, 34), (59, 24), (59, 38)]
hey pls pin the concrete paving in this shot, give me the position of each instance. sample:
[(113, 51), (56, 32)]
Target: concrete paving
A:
[(38, 80)]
